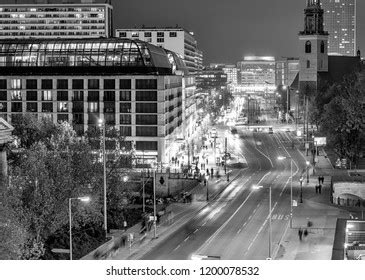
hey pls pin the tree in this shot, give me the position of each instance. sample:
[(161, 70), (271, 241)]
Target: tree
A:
[(343, 118)]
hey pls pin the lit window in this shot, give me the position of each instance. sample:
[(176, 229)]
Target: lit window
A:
[(15, 84), (46, 95)]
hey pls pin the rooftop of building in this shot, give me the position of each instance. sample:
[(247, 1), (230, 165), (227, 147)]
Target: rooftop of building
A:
[(155, 28), (107, 55), (54, 2)]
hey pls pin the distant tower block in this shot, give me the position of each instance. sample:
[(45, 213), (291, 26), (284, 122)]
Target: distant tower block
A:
[(5, 137)]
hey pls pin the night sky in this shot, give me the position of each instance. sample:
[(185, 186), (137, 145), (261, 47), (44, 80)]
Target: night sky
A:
[(227, 30)]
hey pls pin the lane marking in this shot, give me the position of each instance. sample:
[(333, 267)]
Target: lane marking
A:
[(186, 239), (177, 247)]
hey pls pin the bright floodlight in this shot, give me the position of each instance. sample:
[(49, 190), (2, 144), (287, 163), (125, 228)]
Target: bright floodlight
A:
[(281, 158), (307, 162), (285, 87), (84, 199), (125, 178), (257, 187)]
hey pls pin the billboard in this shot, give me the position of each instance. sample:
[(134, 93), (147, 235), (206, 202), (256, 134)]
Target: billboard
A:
[(320, 141)]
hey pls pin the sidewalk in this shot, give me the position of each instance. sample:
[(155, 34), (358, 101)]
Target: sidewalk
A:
[(317, 209), (181, 213)]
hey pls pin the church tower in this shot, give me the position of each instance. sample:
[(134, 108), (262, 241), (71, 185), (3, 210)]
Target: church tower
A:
[(313, 41)]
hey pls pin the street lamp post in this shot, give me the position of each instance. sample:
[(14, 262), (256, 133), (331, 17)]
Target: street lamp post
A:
[(307, 165), (102, 125), (301, 189), (207, 179), (270, 210), (154, 206), (287, 103), (83, 199), (291, 187)]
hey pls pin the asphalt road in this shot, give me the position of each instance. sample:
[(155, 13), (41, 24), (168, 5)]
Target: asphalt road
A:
[(235, 224)]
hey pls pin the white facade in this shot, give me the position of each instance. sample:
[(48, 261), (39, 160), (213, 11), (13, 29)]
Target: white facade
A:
[(231, 71), (177, 40), (83, 20)]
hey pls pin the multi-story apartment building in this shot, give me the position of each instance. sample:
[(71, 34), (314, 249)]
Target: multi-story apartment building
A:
[(340, 22), (211, 78), (199, 60), (134, 86), (176, 39), (86, 19)]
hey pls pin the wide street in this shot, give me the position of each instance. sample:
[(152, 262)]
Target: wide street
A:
[(235, 224)]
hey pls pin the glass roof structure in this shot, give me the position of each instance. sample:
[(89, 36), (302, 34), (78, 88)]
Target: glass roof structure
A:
[(122, 55)]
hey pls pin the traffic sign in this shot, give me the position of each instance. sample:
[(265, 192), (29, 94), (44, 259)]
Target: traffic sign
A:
[(295, 203), (61, 251)]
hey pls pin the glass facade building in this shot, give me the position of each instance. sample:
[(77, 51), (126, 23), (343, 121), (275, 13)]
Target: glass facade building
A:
[(340, 22), (134, 86), (82, 20)]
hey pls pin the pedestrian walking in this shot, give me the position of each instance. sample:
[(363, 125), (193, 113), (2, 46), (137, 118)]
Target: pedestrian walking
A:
[(300, 233), (320, 188), (319, 179), (305, 233), (208, 171), (316, 188), (322, 179), (211, 171)]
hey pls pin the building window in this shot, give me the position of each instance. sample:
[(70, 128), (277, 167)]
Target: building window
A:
[(123, 34), (93, 83), (2, 84), (125, 95), (146, 145), (16, 95), (160, 34), (3, 107), (62, 118), (146, 119), (46, 95), (147, 34), (308, 64), (146, 96), (47, 107), (160, 40), (125, 84), (322, 46), (78, 84), (3, 95), (47, 84), (146, 108), (308, 47), (78, 118), (62, 84), (135, 34), (62, 95), (110, 120), (62, 107), (93, 107), (16, 106), (31, 95), (15, 83), (150, 131), (125, 107), (109, 107), (126, 131), (109, 84), (109, 95), (78, 95), (146, 84), (93, 96), (173, 34), (125, 119), (32, 107), (31, 84)]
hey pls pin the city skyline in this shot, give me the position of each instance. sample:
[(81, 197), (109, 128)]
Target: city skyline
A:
[(246, 39)]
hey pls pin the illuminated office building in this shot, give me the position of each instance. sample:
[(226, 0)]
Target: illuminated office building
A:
[(340, 22), (176, 39), (85, 19), (134, 86)]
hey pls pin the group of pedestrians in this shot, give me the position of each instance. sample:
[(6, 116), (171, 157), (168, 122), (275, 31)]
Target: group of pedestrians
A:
[(302, 233)]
